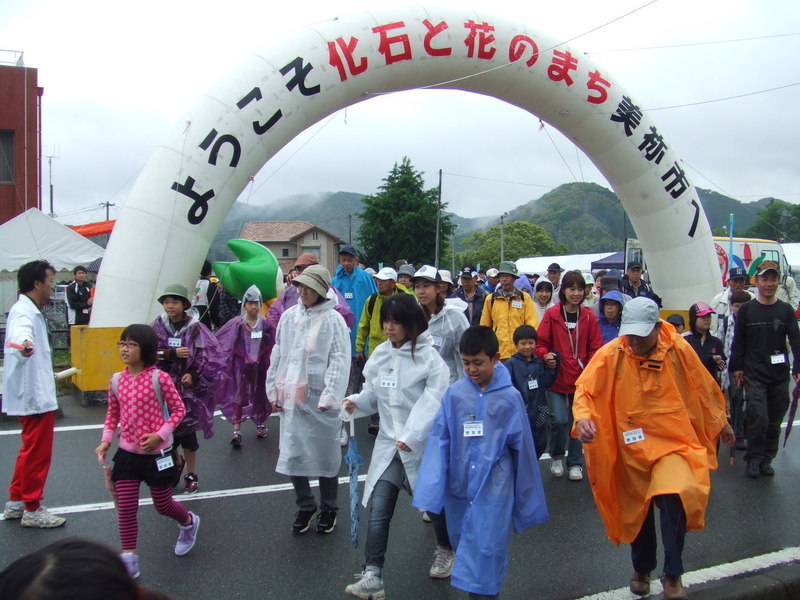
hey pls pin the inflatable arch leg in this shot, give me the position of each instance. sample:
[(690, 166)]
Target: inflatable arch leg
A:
[(183, 194)]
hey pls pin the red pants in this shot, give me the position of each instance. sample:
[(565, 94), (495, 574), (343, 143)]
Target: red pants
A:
[(33, 461)]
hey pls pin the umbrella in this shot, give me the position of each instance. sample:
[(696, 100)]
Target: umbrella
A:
[(792, 410), (737, 413), (354, 460), (112, 490)]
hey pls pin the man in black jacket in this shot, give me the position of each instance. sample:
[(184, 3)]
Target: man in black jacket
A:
[(471, 293), (759, 361), (79, 298)]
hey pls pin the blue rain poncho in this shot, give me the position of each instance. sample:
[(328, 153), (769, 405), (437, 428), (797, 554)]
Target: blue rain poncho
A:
[(483, 483)]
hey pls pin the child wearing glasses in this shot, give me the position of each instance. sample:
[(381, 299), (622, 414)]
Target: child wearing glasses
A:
[(190, 353), (145, 442)]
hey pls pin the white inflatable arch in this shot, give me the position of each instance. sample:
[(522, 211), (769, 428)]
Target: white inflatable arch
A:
[(183, 194)]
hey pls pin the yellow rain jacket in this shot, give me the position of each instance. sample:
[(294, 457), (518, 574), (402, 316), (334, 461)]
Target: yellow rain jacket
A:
[(670, 399), (504, 315), (370, 330)]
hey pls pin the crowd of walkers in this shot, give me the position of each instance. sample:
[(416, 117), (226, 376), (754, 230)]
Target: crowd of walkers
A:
[(465, 385)]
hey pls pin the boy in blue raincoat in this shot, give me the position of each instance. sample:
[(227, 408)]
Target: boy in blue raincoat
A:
[(480, 466)]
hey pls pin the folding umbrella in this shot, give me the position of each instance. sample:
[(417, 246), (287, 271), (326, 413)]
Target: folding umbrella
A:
[(354, 460), (792, 410), (112, 490)]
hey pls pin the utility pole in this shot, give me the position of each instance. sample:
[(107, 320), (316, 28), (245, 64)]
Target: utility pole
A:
[(502, 241), (453, 252), (350, 227), (50, 163), (107, 205), (438, 211)]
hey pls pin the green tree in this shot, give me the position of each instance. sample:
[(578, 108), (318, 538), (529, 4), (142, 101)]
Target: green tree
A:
[(778, 220), (520, 239), (399, 221)]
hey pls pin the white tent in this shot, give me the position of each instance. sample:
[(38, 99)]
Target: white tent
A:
[(33, 235), (539, 264)]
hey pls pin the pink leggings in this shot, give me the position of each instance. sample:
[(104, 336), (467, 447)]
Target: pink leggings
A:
[(128, 502)]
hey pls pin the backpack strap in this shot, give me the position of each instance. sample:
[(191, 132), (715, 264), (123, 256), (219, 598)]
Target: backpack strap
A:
[(371, 304)]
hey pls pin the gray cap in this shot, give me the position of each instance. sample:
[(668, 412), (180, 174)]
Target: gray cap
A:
[(317, 277), (406, 270), (639, 316), (177, 290)]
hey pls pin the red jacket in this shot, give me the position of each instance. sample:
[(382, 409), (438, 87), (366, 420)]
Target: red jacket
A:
[(554, 336)]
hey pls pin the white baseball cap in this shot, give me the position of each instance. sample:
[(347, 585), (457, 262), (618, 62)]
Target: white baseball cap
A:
[(387, 273)]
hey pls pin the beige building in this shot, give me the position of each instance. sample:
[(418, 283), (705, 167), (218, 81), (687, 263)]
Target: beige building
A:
[(290, 239)]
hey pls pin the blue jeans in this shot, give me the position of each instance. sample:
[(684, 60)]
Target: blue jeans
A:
[(560, 407), (382, 503), (673, 533)]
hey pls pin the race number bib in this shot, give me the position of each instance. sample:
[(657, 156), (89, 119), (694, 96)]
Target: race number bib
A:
[(473, 428), (174, 342), (633, 436), (256, 335)]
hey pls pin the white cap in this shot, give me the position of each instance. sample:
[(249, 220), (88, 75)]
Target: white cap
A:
[(428, 272), (387, 273), (639, 316), (446, 277), (492, 273)]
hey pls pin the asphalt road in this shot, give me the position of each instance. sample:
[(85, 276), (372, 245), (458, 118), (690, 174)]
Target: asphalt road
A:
[(245, 547)]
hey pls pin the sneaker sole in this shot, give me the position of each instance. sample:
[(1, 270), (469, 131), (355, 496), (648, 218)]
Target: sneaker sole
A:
[(321, 530), (196, 529), (307, 527), (376, 596), (44, 526), (11, 516), (439, 575)]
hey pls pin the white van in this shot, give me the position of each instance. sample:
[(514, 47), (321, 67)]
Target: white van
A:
[(747, 253)]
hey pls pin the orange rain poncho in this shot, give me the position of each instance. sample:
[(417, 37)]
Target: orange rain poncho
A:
[(680, 411)]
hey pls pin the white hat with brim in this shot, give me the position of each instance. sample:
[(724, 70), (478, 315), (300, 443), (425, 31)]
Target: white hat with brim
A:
[(428, 273), (387, 273), (316, 277), (639, 316)]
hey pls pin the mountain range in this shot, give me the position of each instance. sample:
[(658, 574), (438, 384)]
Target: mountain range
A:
[(587, 217)]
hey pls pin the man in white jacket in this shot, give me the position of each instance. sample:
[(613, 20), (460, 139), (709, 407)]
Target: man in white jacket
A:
[(29, 392)]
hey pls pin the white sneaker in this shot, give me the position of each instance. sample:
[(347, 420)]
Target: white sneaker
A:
[(443, 559), (368, 587), (557, 467), (41, 518), (131, 561), (343, 436), (13, 510), (576, 473)]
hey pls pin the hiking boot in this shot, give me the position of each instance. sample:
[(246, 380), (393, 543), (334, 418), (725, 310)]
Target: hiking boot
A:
[(13, 510), (765, 468), (261, 432), (190, 484), (673, 587), (302, 520), (131, 561), (752, 469), (442, 562), (557, 467), (236, 439), (326, 521), (368, 587), (640, 583), (41, 518), (576, 473), (187, 536)]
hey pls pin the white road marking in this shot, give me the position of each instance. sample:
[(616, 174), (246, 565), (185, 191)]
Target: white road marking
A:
[(260, 489), (715, 573)]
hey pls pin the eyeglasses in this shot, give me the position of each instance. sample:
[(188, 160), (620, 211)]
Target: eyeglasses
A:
[(121, 345)]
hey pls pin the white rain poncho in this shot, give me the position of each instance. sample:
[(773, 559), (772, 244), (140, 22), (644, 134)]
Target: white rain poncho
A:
[(309, 368), (407, 411), (446, 328), (28, 384)]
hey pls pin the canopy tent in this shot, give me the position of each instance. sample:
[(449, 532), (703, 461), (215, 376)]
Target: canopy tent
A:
[(93, 229), (33, 235), (612, 261), (568, 262)]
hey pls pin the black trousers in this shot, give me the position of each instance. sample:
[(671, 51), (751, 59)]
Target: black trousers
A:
[(673, 534), (766, 406)]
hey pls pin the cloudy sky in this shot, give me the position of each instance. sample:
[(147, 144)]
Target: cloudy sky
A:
[(117, 75)]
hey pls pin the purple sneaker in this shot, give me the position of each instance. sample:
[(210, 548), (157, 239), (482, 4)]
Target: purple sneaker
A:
[(187, 536), (131, 561)]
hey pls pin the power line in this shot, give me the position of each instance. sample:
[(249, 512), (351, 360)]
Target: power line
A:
[(688, 44), (780, 87)]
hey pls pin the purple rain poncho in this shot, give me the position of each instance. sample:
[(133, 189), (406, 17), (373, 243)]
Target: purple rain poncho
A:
[(206, 359), (243, 393)]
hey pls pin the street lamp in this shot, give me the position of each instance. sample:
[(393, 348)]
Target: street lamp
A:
[(502, 241)]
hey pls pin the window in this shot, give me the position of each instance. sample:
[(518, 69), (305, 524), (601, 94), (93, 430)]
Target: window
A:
[(315, 235), (285, 253), (6, 157)]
